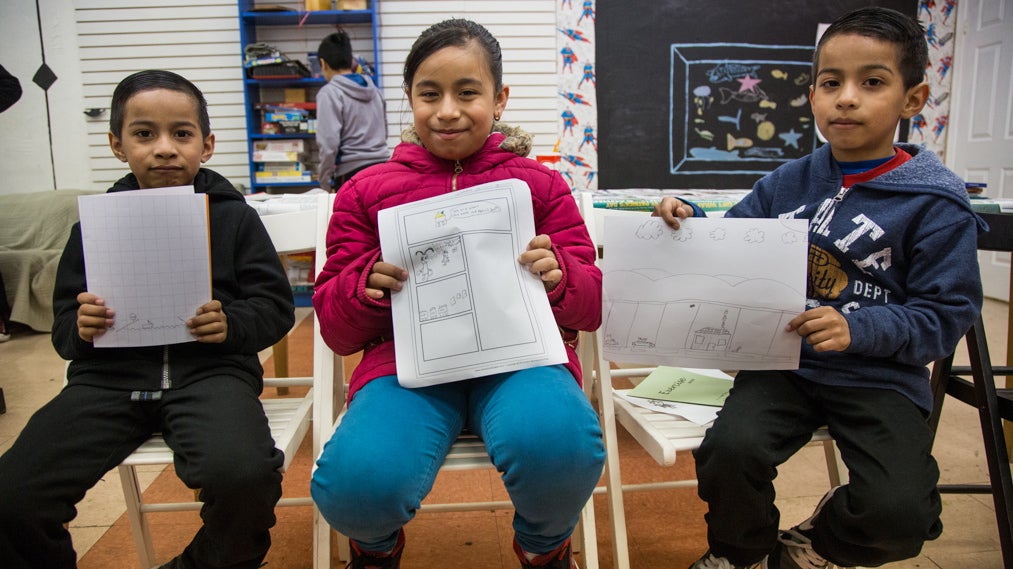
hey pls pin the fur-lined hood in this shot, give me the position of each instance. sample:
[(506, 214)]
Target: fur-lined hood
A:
[(517, 140)]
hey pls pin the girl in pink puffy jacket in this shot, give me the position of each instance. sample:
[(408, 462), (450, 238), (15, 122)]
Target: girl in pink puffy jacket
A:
[(539, 428)]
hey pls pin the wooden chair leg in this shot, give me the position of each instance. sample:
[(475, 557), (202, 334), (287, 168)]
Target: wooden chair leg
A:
[(280, 353)]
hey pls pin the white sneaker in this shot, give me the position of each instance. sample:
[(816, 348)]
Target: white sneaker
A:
[(711, 561), (795, 551)]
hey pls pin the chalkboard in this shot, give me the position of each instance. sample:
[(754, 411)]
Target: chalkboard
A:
[(706, 94)]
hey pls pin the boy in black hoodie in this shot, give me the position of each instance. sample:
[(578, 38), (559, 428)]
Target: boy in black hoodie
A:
[(201, 395)]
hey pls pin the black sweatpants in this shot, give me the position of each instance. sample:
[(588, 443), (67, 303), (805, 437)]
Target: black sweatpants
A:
[(885, 513), (222, 444)]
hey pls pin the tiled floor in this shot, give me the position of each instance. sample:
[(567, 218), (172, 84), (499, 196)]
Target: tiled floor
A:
[(32, 373)]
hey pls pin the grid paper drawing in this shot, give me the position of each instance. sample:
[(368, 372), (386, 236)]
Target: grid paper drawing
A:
[(148, 257)]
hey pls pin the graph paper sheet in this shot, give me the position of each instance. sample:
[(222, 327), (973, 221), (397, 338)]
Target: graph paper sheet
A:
[(147, 254)]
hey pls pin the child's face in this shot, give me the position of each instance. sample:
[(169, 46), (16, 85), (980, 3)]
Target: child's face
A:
[(453, 98), (858, 96), (161, 139)]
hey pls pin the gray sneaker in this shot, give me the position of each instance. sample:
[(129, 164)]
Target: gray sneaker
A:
[(794, 550), (711, 561)]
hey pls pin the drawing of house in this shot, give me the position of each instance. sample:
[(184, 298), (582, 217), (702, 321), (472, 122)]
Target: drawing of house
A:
[(712, 338)]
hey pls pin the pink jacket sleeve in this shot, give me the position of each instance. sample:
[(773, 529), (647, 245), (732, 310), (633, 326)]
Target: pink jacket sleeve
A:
[(349, 320), (576, 301)]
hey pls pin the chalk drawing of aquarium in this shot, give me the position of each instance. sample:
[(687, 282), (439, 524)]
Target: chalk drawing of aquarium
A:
[(739, 108)]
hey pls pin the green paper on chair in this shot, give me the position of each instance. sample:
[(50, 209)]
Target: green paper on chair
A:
[(683, 386)]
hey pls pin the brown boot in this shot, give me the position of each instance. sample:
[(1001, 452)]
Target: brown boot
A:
[(560, 558), (371, 560)]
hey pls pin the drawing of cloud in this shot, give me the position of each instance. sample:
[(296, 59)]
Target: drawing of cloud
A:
[(754, 236), (682, 234), (650, 231), (789, 237), (719, 234)]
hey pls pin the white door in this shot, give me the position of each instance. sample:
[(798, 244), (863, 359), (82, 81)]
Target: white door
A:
[(980, 142)]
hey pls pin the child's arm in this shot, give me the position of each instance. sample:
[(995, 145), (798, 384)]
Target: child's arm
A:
[(349, 296), (67, 338), (261, 310), (567, 257), (210, 325), (824, 328), (671, 210), (93, 317), (384, 277), (541, 261)]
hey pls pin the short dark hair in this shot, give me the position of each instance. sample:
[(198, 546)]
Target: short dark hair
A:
[(336, 50), (155, 79), (454, 32), (888, 25)]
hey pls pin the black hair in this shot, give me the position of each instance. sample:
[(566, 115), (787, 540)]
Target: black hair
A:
[(336, 50), (884, 24), (155, 79), (457, 33)]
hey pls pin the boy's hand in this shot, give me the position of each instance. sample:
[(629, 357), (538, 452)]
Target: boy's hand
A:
[(384, 276), (824, 328), (671, 210), (541, 261), (210, 325), (93, 318)]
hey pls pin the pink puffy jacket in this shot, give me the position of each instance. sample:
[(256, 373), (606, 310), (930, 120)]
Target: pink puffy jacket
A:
[(350, 321)]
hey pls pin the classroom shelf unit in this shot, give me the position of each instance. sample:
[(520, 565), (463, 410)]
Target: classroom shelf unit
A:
[(283, 150)]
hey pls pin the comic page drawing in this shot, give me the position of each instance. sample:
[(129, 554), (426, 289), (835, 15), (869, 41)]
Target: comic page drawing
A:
[(468, 308), (717, 293)]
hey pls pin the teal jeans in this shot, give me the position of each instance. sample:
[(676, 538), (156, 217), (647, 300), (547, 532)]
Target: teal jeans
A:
[(541, 432)]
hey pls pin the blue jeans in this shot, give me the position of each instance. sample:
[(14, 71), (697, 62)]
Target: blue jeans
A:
[(541, 432)]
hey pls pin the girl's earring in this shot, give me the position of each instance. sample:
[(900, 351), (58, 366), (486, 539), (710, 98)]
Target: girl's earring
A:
[(495, 117)]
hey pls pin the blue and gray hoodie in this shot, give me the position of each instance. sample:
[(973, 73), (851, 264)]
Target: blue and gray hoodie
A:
[(897, 255)]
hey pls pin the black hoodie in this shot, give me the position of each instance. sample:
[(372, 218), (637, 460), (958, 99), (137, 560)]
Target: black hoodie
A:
[(247, 277)]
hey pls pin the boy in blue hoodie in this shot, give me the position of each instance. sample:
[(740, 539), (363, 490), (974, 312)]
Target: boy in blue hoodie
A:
[(893, 284)]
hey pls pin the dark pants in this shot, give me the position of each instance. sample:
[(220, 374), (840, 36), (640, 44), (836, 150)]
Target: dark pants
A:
[(222, 445), (338, 180), (886, 512)]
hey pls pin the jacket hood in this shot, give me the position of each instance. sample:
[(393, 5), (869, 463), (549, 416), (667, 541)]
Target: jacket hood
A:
[(924, 173), (207, 182), (515, 140), (353, 89)]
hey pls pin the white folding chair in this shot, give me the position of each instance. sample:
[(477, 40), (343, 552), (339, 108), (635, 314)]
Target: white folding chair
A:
[(289, 417), (663, 436), (466, 453)]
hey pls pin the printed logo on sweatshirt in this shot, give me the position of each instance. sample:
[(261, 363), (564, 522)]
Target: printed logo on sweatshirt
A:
[(826, 278)]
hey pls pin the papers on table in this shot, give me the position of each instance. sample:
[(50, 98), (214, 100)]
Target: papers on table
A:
[(468, 308), (658, 392), (147, 254), (717, 293)]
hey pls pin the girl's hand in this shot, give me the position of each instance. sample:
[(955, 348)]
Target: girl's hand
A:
[(671, 210), (541, 261), (93, 318), (824, 328), (384, 277), (210, 325)]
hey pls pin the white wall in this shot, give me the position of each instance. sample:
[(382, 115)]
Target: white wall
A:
[(27, 161), (92, 44)]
